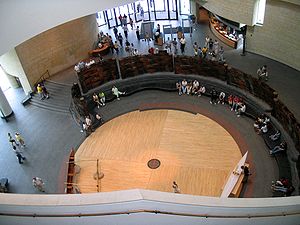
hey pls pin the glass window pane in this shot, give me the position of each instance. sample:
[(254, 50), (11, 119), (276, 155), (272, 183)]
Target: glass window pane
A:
[(160, 5), (141, 9), (100, 18), (185, 7)]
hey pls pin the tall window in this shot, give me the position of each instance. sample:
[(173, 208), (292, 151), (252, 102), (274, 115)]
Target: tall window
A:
[(185, 8), (259, 12)]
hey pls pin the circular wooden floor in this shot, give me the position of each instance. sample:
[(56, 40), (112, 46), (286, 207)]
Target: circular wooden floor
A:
[(193, 150)]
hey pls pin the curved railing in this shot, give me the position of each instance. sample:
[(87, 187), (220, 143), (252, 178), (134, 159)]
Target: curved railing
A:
[(146, 207), (102, 72)]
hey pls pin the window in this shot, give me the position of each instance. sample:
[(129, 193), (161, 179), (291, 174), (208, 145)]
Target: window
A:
[(259, 12)]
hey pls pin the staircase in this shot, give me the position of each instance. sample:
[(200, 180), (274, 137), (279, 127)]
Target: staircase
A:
[(59, 97)]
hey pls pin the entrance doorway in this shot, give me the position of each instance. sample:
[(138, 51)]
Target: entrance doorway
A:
[(4, 84), (143, 10)]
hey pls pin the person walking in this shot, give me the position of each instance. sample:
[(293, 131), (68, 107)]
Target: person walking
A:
[(138, 33), (131, 22), (125, 29), (115, 31), (18, 154), (20, 139), (116, 47), (221, 54), (45, 92), (120, 39), (38, 183), (11, 140), (182, 44)]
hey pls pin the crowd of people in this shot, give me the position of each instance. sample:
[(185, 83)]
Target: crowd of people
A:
[(261, 124), (283, 185), (18, 145)]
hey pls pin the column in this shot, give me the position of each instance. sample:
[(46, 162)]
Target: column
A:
[(5, 109)]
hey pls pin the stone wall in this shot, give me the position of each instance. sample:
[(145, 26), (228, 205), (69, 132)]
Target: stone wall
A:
[(235, 10), (279, 36), (58, 48)]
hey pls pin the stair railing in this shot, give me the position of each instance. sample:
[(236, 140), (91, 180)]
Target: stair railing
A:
[(42, 78)]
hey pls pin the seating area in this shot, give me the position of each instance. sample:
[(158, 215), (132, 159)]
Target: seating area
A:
[(154, 72)]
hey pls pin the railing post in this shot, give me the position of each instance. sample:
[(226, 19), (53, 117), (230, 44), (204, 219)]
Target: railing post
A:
[(119, 70)]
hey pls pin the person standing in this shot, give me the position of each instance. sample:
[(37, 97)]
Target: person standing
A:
[(131, 22), (115, 31), (19, 154), (20, 139), (182, 44), (206, 41), (138, 33), (116, 47), (246, 172), (45, 92), (121, 19), (40, 92), (124, 19), (38, 183), (221, 54), (120, 39), (195, 47), (175, 188), (204, 52), (125, 29)]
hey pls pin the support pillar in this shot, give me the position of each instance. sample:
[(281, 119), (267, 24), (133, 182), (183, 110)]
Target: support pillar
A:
[(5, 109)]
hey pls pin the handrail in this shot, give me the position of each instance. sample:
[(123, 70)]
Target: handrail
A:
[(249, 216), (42, 77)]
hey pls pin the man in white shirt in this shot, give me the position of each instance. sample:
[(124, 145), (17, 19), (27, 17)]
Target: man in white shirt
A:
[(116, 92), (183, 86), (182, 44)]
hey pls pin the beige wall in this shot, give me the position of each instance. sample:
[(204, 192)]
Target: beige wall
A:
[(236, 10), (12, 67), (58, 48), (279, 37)]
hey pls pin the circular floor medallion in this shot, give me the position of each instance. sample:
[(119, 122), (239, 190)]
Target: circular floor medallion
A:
[(153, 163)]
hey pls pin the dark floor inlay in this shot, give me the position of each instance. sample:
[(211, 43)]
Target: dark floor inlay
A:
[(153, 163)]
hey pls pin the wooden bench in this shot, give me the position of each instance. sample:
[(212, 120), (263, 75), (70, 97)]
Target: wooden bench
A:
[(70, 173)]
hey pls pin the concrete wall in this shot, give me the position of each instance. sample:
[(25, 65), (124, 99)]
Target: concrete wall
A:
[(279, 36), (11, 65), (235, 10), (58, 48), (137, 207), (22, 20)]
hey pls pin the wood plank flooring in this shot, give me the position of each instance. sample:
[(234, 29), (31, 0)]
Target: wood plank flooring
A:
[(194, 151)]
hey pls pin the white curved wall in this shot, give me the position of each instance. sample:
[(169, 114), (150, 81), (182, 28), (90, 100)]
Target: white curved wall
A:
[(21, 20), (136, 207)]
